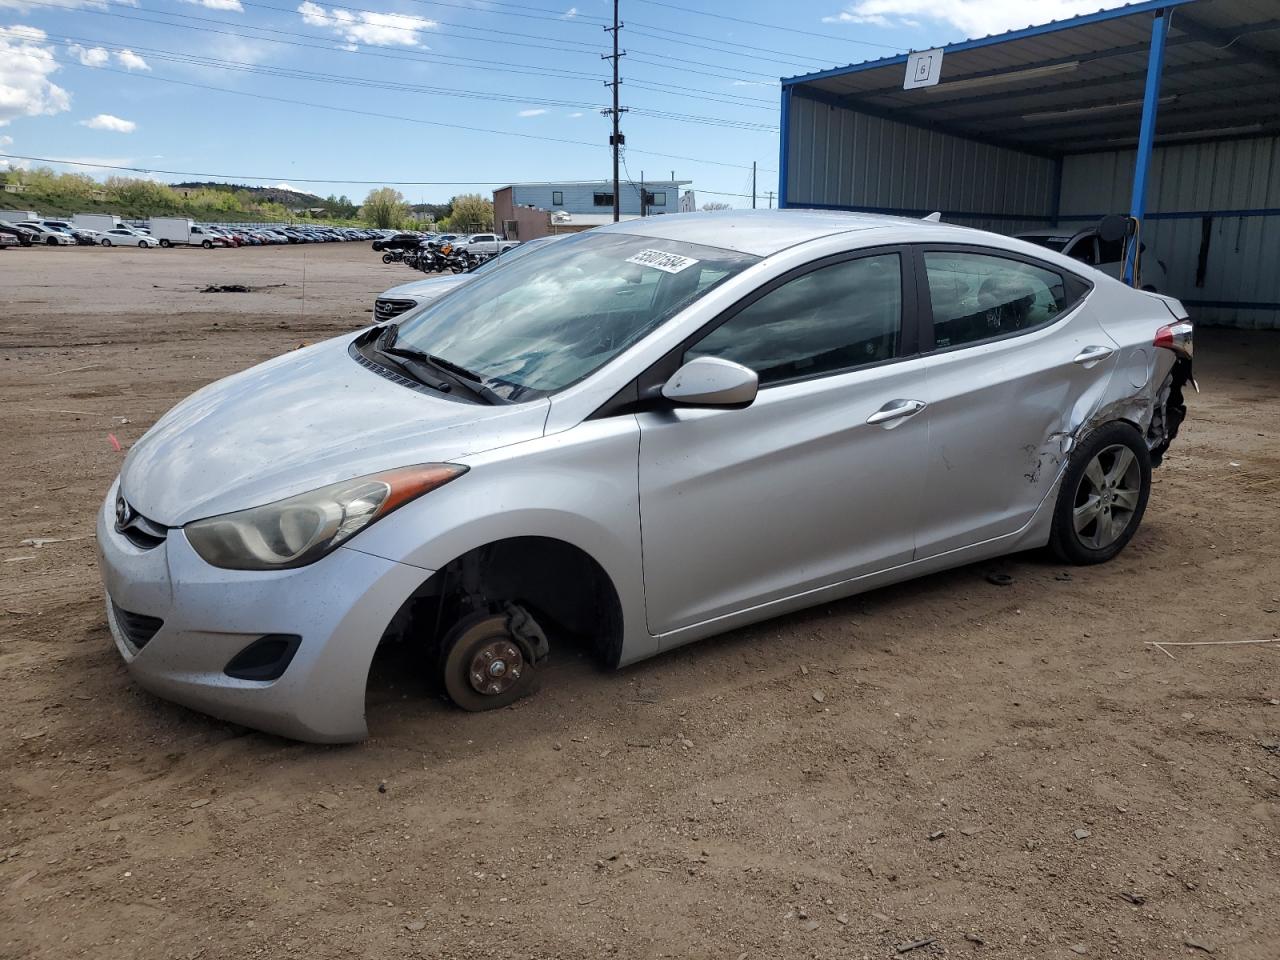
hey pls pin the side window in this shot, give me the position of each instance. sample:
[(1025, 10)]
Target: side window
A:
[(658, 199), (978, 296), (557, 198), (1110, 251), (833, 318)]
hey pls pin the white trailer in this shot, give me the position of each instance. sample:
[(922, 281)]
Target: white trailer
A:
[(181, 231), (96, 221)]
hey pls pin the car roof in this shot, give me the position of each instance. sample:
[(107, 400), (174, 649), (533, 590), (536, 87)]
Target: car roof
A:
[(766, 232)]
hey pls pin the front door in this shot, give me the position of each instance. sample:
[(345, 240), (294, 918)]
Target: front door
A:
[(819, 480)]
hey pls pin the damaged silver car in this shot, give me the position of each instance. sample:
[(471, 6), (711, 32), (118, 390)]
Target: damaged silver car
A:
[(633, 438)]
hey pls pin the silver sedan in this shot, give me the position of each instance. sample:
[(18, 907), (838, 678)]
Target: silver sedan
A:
[(633, 438)]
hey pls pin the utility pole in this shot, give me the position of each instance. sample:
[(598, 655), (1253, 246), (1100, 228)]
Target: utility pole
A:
[(643, 209), (616, 140), (770, 199), (753, 184)]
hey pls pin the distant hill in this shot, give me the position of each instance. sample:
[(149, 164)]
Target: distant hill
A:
[(289, 198)]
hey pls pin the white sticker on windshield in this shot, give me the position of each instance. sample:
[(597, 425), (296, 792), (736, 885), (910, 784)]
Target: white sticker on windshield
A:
[(666, 262)]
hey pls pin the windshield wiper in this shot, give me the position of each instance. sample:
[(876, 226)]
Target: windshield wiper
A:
[(466, 378)]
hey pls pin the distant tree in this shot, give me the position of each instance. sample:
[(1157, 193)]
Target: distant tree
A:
[(715, 205), (384, 208), (468, 212)]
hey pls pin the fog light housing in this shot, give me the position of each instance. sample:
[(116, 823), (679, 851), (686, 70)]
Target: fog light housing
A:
[(265, 659)]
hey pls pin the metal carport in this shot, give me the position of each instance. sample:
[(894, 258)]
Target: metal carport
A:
[(1166, 109)]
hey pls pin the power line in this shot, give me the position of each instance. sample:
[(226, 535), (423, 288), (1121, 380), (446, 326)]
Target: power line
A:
[(390, 116), (398, 54), (451, 92), (239, 177), (769, 26)]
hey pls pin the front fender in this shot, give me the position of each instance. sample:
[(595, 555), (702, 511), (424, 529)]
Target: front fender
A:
[(579, 487)]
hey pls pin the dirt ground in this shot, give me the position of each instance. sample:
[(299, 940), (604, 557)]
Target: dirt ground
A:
[(1008, 771)]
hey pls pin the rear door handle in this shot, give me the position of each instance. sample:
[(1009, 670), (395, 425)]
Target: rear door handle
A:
[(895, 411), (1091, 355)]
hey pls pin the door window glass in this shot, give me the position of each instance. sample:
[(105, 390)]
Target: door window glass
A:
[(977, 296), (830, 319)]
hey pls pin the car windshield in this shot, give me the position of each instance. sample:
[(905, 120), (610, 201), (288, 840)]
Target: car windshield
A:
[(546, 320)]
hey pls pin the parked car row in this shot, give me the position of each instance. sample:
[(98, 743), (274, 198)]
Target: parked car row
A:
[(107, 231)]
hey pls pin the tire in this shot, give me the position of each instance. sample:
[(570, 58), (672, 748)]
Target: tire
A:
[(142, 244), (106, 242), (1103, 496), (165, 244), (473, 641), (51, 242), (208, 244), (386, 258)]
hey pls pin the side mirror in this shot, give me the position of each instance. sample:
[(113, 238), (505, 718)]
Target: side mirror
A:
[(712, 382)]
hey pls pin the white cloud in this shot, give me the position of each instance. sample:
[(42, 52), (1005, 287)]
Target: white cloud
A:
[(575, 116), (531, 113), (569, 14), (218, 4), (90, 56), (131, 61), (378, 29), (105, 121), (753, 83), (26, 64), (976, 18), (285, 186)]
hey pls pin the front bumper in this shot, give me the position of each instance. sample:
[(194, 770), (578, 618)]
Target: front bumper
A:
[(339, 606)]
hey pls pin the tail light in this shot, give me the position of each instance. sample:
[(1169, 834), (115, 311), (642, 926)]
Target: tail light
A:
[(1176, 337)]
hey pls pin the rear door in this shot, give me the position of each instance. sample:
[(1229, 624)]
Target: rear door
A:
[(1015, 357), (819, 479)]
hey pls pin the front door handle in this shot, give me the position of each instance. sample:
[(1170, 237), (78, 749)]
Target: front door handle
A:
[(895, 411), (1091, 355)]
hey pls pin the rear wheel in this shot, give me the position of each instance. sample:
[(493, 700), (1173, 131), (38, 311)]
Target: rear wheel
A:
[(208, 244), (387, 258), (52, 241), (164, 243), (142, 244), (1103, 497), (483, 666)]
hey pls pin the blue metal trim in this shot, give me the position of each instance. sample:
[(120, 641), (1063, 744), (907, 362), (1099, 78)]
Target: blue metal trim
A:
[(1231, 304), (1146, 134), (1183, 214), (1132, 9), (784, 147), (922, 212)]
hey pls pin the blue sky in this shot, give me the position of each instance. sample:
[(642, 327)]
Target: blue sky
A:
[(280, 91)]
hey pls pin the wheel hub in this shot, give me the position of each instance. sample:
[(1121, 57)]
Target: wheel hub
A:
[(495, 668)]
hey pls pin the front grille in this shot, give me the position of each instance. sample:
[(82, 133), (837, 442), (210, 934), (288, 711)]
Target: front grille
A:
[(388, 308), (138, 628), (143, 533)]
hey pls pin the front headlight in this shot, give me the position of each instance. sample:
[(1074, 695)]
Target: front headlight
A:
[(302, 529)]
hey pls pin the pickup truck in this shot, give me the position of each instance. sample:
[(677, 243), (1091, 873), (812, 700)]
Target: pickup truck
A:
[(484, 244)]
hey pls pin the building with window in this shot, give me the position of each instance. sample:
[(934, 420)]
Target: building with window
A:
[(583, 201)]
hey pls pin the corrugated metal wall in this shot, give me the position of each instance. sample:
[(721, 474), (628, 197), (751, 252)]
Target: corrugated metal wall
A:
[(1189, 183), (840, 158)]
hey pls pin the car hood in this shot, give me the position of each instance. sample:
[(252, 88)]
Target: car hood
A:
[(309, 418), (431, 287)]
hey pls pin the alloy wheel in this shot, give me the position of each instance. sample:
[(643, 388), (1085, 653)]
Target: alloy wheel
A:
[(1107, 496)]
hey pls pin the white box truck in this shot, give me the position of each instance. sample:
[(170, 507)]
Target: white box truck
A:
[(96, 221), (180, 231)]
